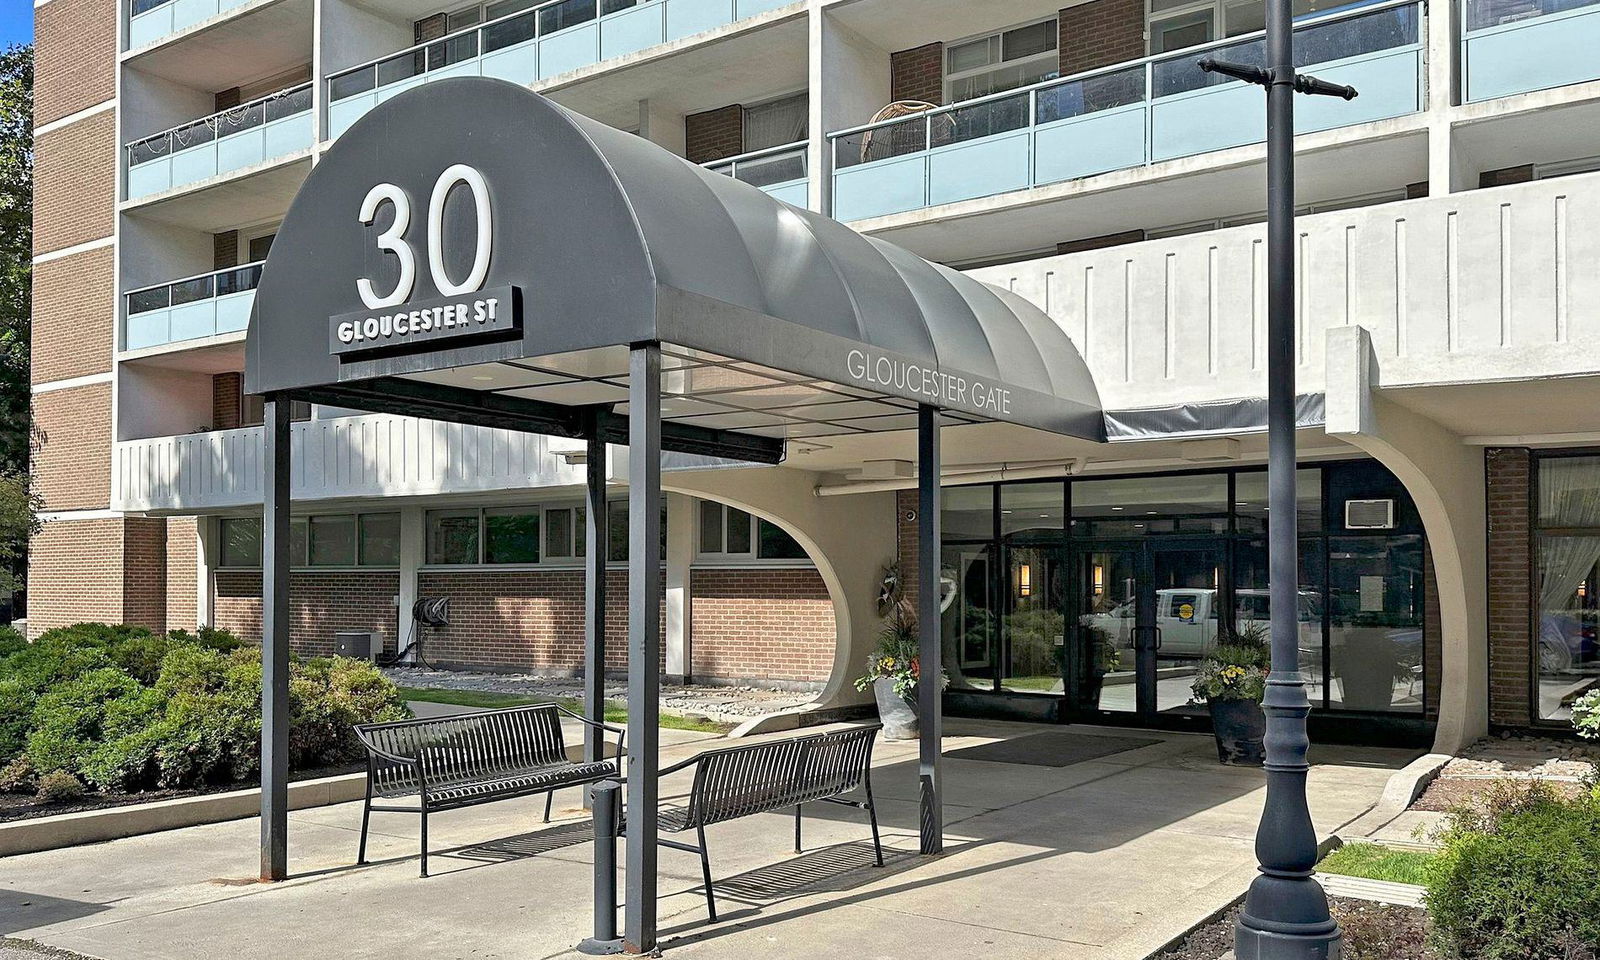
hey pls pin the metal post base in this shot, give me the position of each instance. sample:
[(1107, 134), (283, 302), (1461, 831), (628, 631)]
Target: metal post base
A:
[(1315, 937), (601, 948)]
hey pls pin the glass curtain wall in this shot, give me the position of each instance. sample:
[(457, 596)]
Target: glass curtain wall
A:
[(1184, 555)]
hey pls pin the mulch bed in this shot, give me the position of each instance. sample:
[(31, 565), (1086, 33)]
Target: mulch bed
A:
[(22, 806), (1372, 931)]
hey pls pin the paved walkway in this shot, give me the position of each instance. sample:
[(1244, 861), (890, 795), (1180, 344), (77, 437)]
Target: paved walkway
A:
[(1101, 860)]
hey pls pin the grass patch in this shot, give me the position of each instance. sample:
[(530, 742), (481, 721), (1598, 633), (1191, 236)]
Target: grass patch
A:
[(1374, 861), (616, 712)]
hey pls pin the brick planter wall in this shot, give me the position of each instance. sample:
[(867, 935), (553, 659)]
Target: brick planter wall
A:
[(762, 624), (320, 603)]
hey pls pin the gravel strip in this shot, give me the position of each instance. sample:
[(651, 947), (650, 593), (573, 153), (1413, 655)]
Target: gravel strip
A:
[(723, 704), (12, 949)]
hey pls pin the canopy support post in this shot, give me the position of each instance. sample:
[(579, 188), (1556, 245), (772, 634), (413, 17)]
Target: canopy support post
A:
[(930, 688), (275, 639), (594, 597), (644, 642)]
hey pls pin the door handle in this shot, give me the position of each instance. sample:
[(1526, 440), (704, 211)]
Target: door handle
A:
[(1157, 632)]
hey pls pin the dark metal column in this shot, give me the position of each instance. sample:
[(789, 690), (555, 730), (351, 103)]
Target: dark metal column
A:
[(930, 689), (594, 597), (275, 639), (1285, 915), (644, 642)]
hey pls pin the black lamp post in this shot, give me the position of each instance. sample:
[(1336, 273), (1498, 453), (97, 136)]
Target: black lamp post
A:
[(1285, 915)]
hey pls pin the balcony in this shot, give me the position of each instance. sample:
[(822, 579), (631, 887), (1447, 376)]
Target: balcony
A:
[(1129, 115), (197, 308), (371, 455), (275, 126), (151, 20), (535, 44), (1518, 46), (779, 171)]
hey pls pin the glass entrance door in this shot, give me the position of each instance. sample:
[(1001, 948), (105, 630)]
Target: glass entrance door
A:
[(1145, 615)]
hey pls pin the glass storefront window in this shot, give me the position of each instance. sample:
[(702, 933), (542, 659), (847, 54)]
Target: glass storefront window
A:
[(970, 628), (1142, 506), (1375, 648), (1034, 630), (511, 534), (1250, 500), (1568, 561), (1252, 607), (333, 541), (967, 513), (1032, 510), (452, 536)]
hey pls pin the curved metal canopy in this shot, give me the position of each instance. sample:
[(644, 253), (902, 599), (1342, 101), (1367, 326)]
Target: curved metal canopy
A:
[(603, 240)]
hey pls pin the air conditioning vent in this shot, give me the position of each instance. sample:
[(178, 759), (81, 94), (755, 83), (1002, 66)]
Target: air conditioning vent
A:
[(1369, 514)]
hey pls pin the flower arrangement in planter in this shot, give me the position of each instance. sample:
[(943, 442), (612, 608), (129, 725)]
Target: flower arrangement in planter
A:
[(893, 672), (1232, 680)]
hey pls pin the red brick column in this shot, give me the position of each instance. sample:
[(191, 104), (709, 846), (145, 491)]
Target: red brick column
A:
[(918, 74), (714, 134), (1100, 33), (1509, 475)]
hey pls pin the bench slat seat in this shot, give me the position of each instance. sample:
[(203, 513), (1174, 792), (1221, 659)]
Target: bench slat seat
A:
[(447, 763), (740, 781)]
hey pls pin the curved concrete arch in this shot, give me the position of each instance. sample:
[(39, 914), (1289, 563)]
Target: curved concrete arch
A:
[(849, 539), (1445, 478)]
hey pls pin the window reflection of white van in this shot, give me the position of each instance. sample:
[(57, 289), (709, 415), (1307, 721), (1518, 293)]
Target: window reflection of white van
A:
[(1187, 619)]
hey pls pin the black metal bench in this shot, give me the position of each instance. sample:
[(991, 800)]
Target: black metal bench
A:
[(736, 782), (472, 758)]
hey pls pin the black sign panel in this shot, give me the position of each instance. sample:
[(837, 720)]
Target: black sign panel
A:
[(486, 315)]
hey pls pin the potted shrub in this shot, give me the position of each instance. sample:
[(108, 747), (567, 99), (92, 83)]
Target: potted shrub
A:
[(1232, 679), (893, 671)]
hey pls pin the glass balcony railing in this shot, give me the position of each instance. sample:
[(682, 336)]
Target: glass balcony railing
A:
[(1128, 115), (203, 306), (1517, 46), (261, 130), (150, 20), (780, 171), (531, 45)]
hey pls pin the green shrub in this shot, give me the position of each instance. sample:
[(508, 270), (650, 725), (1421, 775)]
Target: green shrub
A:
[(11, 640), (1518, 878), (59, 787), (122, 708), (1586, 715), (19, 776)]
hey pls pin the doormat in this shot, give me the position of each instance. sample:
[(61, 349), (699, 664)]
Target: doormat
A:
[(1053, 748)]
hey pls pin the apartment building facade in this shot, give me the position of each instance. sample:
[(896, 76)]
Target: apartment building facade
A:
[(1075, 156)]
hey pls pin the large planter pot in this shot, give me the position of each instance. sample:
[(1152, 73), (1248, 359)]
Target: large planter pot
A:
[(1240, 728), (898, 715)]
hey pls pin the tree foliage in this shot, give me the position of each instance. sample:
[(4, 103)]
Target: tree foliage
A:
[(16, 252)]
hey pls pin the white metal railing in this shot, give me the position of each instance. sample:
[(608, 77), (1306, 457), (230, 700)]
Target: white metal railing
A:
[(1138, 112), (247, 116)]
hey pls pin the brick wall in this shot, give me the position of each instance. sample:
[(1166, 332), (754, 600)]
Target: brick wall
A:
[(75, 183), (224, 249), (72, 462), (108, 569), (76, 53), (320, 603), (917, 74), (1100, 33), (74, 314), (907, 537), (760, 624), (1510, 503), (526, 619), (714, 134), (1506, 176), (182, 586), (225, 400)]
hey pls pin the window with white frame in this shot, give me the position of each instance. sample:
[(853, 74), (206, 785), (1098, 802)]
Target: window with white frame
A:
[(728, 533), (1177, 24), (323, 540), (1003, 60), (777, 122)]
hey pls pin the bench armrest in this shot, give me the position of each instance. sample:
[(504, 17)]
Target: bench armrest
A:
[(382, 754), (680, 765)]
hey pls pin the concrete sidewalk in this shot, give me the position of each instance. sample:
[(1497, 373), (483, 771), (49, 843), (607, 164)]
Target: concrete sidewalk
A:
[(1104, 859)]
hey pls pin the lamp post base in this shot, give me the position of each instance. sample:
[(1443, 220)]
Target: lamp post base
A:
[(1255, 939)]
